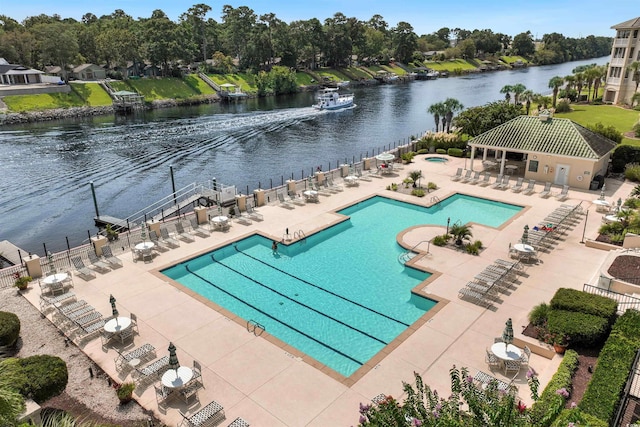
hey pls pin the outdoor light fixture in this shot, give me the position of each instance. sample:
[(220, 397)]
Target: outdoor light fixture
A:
[(448, 221)]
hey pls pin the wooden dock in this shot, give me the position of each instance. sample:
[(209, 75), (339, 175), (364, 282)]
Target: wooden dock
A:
[(9, 253), (117, 224)]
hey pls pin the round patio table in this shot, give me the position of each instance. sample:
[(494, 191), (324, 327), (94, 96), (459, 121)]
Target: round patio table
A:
[(176, 378), (55, 278), (118, 324), (506, 352)]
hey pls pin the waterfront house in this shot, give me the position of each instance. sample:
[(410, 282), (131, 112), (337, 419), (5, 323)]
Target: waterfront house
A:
[(620, 86), (547, 149), (16, 74), (88, 72)]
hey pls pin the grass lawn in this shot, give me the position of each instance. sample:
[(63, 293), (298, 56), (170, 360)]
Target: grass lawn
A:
[(42, 101), (199, 85), (451, 66), (609, 115), (512, 59), (92, 93), (358, 72), (155, 89), (244, 80), (395, 69), (332, 74), (303, 79)]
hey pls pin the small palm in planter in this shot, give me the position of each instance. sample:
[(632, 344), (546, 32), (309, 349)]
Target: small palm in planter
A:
[(415, 176), (125, 392), (22, 282), (460, 233)]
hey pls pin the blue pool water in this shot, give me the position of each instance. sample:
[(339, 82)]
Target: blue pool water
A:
[(340, 295), (437, 159)]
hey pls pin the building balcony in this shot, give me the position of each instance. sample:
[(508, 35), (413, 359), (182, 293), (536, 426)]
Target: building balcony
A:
[(621, 42)]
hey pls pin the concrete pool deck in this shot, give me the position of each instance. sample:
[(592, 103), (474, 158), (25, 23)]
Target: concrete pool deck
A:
[(270, 385)]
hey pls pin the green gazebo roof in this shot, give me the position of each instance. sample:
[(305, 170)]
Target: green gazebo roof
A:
[(551, 136)]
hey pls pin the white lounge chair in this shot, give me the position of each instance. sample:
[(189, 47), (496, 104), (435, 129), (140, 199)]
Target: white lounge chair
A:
[(284, 203), (293, 198), (254, 214), (182, 234), (505, 182), (160, 245), (82, 269), (530, 187), (498, 182), (113, 261), (197, 230), (467, 176), (475, 179), (166, 237), (485, 181), (457, 176), (100, 266), (547, 190), (564, 194), (518, 185)]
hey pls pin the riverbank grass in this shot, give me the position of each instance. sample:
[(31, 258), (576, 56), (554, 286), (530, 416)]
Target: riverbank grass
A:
[(244, 80), (511, 59), (42, 101), (331, 74), (158, 89), (451, 65), (199, 85), (609, 115), (92, 93)]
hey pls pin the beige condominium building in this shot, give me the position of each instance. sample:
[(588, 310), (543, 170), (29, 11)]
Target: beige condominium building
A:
[(620, 86)]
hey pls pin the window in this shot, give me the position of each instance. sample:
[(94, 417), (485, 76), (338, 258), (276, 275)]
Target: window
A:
[(615, 72), (618, 52), (635, 34), (533, 166)]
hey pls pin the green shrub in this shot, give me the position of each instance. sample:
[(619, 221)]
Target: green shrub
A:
[(40, 377), (632, 172), (539, 314), (454, 152), (614, 364), (607, 131), (408, 157), (578, 418), (636, 130), (441, 151), (47, 376), (418, 192), (125, 391), (9, 329), (423, 151), (440, 240), (581, 328), (583, 302), (631, 203), (623, 155), (432, 186), (474, 248), (551, 403), (563, 107)]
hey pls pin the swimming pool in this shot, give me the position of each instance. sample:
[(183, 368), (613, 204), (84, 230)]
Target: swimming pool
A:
[(340, 295), (436, 159)]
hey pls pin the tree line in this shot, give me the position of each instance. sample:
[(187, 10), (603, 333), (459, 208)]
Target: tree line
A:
[(245, 41)]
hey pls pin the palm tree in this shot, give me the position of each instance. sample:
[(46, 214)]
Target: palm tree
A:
[(579, 83), (570, 80), (634, 69), (635, 99), (590, 74), (460, 232), (415, 176), (555, 84), (11, 402), (527, 96), (438, 110), (599, 74), (636, 191), (517, 89), (451, 105), (506, 89)]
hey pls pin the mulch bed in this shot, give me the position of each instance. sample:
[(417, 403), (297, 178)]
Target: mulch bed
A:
[(625, 267), (587, 361)]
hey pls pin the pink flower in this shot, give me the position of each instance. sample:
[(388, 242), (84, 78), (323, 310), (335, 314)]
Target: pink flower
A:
[(416, 422), (573, 405), (531, 373), (563, 392)]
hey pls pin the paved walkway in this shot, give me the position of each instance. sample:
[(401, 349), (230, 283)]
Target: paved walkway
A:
[(268, 385)]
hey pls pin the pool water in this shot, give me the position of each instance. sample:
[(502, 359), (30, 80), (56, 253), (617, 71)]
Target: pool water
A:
[(340, 295), (437, 159)]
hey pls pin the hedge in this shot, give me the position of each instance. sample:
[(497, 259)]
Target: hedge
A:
[(603, 394), (9, 329), (574, 300), (578, 418), (40, 377), (550, 403), (582, 329), (454, 152)]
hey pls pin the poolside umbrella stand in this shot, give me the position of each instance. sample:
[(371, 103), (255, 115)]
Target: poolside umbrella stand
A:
[(525, 235), (507, 334), (385, 157), (114, 310), (173, 358)]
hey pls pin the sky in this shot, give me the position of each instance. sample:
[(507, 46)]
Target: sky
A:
[(572, 18)]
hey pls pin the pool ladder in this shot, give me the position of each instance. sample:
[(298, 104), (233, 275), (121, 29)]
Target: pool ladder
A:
[(406, 256), (254, 327), (435, 200), (299, 235)]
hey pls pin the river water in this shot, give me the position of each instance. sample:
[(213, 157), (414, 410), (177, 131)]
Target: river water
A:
[(47, 167)]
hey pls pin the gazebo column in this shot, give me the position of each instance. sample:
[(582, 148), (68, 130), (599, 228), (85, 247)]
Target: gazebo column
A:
[(484, 154), (503, 161), (473, 154)]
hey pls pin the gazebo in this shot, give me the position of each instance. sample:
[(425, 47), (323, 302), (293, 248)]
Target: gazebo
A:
[(553, 150)]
